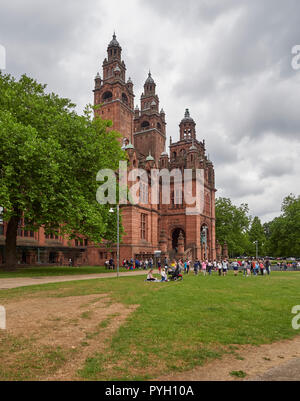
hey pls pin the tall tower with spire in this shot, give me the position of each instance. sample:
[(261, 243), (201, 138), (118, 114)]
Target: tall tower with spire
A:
[(149, 123), (113, 93)]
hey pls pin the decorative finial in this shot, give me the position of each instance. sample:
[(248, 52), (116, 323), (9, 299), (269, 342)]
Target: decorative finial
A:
[(187, 113)]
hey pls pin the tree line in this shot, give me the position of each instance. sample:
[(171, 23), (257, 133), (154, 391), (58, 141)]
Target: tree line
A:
[(278, 238)]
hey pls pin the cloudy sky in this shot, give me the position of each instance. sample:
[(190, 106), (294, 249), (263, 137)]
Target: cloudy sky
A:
[(228, 61)]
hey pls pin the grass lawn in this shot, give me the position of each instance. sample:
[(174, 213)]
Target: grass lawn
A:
[(175, 327), (49, 271)]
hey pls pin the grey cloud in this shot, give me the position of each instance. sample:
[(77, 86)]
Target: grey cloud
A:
[(228, 61)]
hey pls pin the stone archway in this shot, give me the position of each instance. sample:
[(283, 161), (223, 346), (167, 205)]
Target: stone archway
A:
[(175, 235)]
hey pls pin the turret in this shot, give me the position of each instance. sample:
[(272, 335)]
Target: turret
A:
[(187, 127)]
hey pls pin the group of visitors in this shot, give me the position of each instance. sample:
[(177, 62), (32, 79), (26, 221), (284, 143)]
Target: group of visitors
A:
[(288, 265), (208, 267), (137, 264), (173, 269)]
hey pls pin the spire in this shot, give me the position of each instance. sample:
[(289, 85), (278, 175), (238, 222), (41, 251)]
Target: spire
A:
[(149, 80), (187, 116), (114, 42)]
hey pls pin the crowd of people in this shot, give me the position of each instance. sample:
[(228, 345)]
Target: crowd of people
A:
[(249, 267), (208, 267), (288, 265)]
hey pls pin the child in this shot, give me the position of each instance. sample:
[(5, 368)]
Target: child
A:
[(163, 276)]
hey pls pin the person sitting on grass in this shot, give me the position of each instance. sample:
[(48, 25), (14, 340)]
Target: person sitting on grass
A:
[(150, 276), (164, 277)]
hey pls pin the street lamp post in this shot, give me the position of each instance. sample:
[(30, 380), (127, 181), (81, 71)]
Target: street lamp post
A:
[(256, 243), (118, 238)]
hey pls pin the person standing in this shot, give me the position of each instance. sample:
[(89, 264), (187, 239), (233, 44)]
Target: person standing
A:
[(235, 266), (204, 267), (225, 267), (262, 267), (196, 266), (159, 266), (219, 266), (245, 268), (210, 267), (188, 266), (268, 267)]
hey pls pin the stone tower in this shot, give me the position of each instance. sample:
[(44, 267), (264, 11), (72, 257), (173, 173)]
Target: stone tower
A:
[(149, 123), (114, 94)]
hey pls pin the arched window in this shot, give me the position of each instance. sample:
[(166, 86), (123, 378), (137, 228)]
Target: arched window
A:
[(174, 155), (124, 98), (107, 96), (158, 126), (145, 125)]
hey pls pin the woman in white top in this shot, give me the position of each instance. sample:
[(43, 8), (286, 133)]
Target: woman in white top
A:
[(225, 267), (150, 276)]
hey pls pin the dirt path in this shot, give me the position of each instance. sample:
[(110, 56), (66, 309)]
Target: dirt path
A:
[(8, 283), (272, 362), (78, 327)]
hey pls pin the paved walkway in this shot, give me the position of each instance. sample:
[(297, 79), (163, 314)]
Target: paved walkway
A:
[(8, 283), (287, 372)]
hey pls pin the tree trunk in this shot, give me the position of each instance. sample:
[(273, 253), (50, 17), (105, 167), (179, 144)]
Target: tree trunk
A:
[(11, 243)]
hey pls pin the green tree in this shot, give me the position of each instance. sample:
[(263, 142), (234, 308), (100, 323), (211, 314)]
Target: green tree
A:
[(232, 224), (49, 159), (257, 233), (284, 231)]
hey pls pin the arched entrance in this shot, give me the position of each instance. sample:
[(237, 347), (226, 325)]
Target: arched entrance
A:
[(175, 235)]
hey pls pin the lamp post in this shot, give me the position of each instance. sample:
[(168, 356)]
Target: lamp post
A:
[(118, 237), (256, 243)]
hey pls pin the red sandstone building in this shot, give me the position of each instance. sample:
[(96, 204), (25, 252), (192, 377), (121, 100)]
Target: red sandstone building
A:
[(151, 227), (148, 228)]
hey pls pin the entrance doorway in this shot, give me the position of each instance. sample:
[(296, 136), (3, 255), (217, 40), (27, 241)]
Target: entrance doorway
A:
[(175, 236)]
